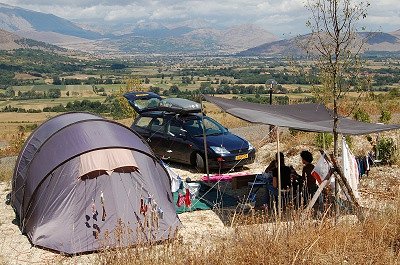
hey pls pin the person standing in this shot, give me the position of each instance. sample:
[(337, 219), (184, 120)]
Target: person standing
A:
[(310, 186), (272, 184)]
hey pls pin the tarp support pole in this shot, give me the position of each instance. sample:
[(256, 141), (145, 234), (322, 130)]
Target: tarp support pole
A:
[(279, 174), (204, 138)]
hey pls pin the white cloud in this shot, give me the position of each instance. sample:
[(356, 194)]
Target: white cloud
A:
[(278, 16)]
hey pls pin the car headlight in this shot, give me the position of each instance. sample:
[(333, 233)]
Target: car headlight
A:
[(251, 147), (220, 150)]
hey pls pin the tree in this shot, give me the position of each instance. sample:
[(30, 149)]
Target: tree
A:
[(120, 108), (174, 89), (54, 93), (336, 44)]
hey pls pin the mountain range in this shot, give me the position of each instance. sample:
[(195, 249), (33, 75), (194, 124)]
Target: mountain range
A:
[(131, 38), (375, 42), (188, 37), (11, 41)]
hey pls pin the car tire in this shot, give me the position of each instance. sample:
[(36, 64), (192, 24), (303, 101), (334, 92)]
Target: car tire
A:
[(199, 163)]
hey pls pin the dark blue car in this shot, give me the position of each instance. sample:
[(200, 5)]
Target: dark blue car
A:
[(174, 129)]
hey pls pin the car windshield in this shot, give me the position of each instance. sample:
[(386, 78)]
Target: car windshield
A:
[(194, 127)]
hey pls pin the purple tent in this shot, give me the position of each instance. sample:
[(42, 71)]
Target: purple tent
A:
[(82, 182)]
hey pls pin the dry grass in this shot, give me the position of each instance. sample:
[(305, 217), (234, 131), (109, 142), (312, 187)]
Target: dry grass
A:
[(6, 172), (374, 241)]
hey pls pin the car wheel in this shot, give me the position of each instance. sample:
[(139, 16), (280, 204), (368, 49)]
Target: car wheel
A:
[(200, 162)]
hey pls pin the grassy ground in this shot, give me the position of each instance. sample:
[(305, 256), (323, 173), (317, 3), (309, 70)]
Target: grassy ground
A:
[(314, 241)]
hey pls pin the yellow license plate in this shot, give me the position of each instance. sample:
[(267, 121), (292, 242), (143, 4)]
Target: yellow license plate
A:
[(240, 157)]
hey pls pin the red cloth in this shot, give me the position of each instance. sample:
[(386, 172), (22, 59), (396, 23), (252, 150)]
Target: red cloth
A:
[(181, 200), (143, 207), (187, 198)]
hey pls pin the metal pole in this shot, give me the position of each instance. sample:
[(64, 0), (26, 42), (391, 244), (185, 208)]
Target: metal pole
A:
[(204, 138), (279, 175), (271, 127), (377, 147), (323, 141), (270, 94)]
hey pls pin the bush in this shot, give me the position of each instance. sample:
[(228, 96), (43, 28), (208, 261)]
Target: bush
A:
[(319, 140), (361, 115), (385, 117), (387, 150)]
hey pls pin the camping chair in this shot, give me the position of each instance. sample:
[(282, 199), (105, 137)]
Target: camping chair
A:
[(289, 197)]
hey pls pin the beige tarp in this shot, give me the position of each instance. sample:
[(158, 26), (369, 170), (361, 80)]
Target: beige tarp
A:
[(106, 160)]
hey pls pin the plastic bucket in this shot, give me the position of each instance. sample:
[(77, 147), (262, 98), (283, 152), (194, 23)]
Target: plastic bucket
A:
[(194, 188)]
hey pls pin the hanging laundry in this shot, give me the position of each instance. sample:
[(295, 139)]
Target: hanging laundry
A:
[(187, 198), (181, 200), (321, 169), (143, 207), (176, 180), (350, 168)]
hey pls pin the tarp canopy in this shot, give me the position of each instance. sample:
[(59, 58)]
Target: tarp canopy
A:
[(304, 117)]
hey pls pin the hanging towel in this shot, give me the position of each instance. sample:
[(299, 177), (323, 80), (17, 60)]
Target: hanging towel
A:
[(350, 168)]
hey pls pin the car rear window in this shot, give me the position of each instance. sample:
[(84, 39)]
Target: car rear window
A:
[(143, 122)]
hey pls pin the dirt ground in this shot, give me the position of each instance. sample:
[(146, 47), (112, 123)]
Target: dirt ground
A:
[(200, 227)]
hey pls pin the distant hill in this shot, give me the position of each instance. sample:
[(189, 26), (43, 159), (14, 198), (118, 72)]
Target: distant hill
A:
[(236, 38), (28, 22), (143, 37), (377, 42), (162, 39), (396, 33), (11, 41)]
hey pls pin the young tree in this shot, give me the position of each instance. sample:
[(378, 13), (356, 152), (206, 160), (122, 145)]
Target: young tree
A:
[(120, 106), (336, 43)]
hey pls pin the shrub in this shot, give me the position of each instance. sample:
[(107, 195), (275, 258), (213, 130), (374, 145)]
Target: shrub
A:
[(387, 150), (319, 140), (361, 115), (385, 117)]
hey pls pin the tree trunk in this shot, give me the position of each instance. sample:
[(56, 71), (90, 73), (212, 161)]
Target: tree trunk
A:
[(335, 135)]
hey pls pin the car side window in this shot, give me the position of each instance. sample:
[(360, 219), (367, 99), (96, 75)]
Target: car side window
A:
[(193, 127), (175, 128), (143, 122), (157, 125)]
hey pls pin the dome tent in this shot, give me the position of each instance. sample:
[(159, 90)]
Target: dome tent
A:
[(79, 177)]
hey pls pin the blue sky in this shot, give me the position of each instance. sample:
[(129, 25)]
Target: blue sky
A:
[(281, 17)]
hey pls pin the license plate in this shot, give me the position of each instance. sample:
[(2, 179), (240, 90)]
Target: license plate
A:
[(240, 157)]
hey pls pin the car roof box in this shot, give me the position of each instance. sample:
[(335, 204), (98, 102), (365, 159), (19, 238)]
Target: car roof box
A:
[(179, 105)]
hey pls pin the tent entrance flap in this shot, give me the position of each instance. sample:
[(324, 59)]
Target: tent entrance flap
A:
[(304, 117), (107, 160)]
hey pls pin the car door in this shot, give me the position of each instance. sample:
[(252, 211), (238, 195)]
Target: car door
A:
[(152, 129), (178, 147), (156, 138)]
